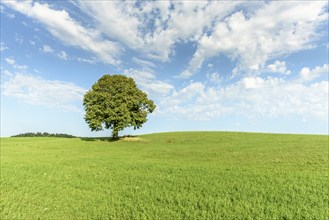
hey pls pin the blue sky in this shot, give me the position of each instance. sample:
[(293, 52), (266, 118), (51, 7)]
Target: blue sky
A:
[(228, 66)]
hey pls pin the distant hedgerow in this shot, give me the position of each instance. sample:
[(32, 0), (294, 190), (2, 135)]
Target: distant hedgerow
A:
[(43, 134)]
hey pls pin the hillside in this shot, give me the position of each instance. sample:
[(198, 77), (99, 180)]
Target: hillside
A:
[(198, 175)]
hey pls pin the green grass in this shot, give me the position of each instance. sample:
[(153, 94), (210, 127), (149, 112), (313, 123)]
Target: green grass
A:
[(191, 175)]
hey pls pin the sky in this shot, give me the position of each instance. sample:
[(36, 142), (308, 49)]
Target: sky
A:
[(250, 66)]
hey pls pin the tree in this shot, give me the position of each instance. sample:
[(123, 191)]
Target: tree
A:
[(115, 102)]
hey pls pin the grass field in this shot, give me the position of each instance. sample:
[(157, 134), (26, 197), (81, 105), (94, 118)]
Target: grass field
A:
[(188, 175)]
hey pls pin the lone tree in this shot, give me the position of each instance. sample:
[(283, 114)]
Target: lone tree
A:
[(115, 102)]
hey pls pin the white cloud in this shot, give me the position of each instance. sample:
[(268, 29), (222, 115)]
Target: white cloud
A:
[(39, 91), (186, 94), (258, 82), (149, 83), (19, 39), (308, 74), (146, 65), (69, 31), (257, 33), (62, 55), (13, 63), (250, 97), (10, 61), (185, 74), (86, 60), (116, 19), (47, 49), (275, 29), (139, 75), (195, 101), (278, 67), (3, 47), (253, 82), (154, 27), (5, 12), (214, 77), (5, 74)]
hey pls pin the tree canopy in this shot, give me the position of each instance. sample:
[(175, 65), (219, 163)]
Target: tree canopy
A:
[(115, 102)]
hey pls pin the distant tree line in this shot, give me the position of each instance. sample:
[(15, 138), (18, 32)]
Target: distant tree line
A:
[(43, 134)]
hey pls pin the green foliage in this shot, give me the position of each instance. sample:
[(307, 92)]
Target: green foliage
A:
[(115, 102), (43, 134), (194, 175)]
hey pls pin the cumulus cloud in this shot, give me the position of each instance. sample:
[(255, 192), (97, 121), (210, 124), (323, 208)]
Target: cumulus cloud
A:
[(3, 47), (5, 12), (255, 37), (69, 31), (258, 82), (307, 74), (250, 33), (250, 97), (155, 26), (47, 49), (148, 82), (38, 91), (214, 77), (10, 61), (278, 67), (19, 39), (86, 60), (115, 19), (62, 55), (16, 66), (146, 65)]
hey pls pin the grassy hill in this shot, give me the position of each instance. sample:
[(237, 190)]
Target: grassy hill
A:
[(187, 175)]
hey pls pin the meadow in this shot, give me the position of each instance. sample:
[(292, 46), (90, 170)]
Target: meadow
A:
[(182, 175)]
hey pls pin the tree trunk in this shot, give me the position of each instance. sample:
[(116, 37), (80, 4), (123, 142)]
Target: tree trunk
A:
[(115, 133)]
